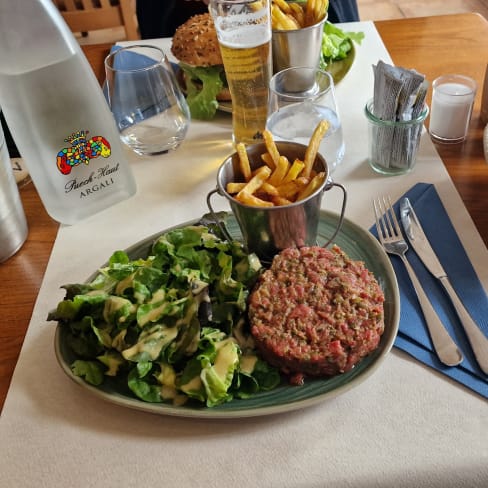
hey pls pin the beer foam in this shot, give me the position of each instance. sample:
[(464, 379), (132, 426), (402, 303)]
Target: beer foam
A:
[(244, 30), (245, 36)]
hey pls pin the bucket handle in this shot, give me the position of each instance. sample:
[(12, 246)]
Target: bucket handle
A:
[(218, 221), (327, 187)]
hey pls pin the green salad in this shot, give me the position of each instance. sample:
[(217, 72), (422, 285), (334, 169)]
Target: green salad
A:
[(170, 326), (337, 44)]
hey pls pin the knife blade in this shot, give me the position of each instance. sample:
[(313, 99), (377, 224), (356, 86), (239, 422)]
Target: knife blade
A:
[(421, 245)]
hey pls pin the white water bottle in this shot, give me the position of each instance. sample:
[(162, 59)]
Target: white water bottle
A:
[(57, 114)]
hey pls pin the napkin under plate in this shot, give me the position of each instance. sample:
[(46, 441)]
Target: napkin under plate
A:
[(413, 336)]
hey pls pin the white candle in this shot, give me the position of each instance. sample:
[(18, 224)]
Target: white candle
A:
[(452, 103)]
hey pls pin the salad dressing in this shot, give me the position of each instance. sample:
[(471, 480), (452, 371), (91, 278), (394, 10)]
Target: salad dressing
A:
[(151, 342), (227, 357), (114, 304), (125, 283), (195, 384), (248, 363)]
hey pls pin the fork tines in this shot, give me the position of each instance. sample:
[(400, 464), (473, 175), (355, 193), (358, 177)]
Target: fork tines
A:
[(386, 221)]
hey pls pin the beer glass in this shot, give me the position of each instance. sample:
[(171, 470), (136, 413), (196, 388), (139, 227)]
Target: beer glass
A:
[(244, 34)]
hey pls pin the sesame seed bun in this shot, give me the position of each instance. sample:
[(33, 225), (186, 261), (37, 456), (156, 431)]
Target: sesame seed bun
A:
[(195, 42)]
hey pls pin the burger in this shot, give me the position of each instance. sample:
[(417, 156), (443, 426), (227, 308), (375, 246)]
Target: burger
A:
[(201, 73)]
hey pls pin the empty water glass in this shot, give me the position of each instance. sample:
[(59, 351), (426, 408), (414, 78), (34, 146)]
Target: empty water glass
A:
[(149, 108), (299, 99)]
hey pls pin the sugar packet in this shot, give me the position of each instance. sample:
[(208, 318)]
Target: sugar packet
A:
[(399, 96)]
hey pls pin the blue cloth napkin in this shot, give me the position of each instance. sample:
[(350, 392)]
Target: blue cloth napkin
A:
[(126, 60), (131, 60), (413, 336)]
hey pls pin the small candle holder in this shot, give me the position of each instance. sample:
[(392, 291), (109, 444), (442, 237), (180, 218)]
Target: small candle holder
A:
[(451, 108)]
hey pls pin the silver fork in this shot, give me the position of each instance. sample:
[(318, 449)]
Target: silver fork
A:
[(391, 238)]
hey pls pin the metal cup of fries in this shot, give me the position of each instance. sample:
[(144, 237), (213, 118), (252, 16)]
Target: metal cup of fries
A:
[(289, 218), (297, 33)]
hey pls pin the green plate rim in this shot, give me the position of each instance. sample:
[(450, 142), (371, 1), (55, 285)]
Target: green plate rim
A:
[(358, 243), (339, 69)]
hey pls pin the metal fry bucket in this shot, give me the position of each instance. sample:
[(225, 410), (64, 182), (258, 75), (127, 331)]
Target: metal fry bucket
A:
[(298, 47), (268, 230)]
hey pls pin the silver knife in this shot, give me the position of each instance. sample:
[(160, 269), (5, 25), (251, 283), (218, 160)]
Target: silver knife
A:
[(421, 245)]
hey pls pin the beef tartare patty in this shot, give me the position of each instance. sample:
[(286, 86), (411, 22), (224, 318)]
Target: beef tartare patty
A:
[(316, 312)]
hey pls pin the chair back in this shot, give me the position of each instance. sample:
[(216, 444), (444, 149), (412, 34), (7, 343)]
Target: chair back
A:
[(90, 15)]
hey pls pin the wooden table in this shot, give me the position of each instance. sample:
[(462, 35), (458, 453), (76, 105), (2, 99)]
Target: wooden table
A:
[(432, 45)]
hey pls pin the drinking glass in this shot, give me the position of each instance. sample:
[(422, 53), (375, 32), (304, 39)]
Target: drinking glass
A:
[(244, 34), (393, 144), (149, 108), (299, 99)]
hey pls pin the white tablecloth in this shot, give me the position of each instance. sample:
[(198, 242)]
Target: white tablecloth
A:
[(405, 426)]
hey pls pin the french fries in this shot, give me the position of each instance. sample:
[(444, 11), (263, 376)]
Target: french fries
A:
[(313, 147), (255, 183), (278, 182), (272, 150), (244, 160), (291, 16)]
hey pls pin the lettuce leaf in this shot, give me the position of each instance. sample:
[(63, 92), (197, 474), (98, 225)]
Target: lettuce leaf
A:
[(91, 371), (143, 387), (219, 361), (337, 43), (202, 86)]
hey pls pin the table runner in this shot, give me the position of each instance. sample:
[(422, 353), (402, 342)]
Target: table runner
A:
[(407, 425)]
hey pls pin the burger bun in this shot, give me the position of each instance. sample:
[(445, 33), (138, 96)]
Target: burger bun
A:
[(195, 42)]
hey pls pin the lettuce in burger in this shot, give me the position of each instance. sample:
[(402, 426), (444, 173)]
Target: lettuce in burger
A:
[(202, 74)]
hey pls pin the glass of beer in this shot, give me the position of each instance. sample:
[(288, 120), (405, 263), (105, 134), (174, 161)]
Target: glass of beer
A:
[(244, 34)]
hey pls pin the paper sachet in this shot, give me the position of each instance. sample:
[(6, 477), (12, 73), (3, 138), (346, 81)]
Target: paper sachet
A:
[(399, 96)]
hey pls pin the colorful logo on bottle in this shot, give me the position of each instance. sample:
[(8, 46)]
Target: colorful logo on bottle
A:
[(81, 151)]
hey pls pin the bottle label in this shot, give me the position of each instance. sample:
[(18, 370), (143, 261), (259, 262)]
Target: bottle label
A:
[(82, 151)]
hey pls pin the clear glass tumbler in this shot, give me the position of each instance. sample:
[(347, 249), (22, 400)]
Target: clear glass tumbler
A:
[(393, 145), (149, 108), (299, 99)]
